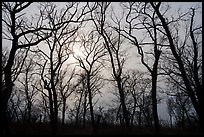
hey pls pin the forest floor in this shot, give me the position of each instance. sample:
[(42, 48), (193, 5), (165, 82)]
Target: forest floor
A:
[(44, 129)]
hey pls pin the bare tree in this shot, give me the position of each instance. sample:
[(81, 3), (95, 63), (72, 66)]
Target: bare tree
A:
[(180, 108), (93, 51), (78, 106), (194, 92), (141, 18), (68, 21), (112, 43), (22, 33), (137, 89), (81, 105), (26, 87), (170, 110), (66, 88), (15, 112)]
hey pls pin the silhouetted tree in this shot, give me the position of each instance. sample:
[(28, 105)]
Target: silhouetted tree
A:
[(68, 21), (146, 21), (89, 61), (193, 83), (66, 88), (22, 34), (170, 105), (26, 80), (14, 112), (112, 43), (180, 108), (137, 89)]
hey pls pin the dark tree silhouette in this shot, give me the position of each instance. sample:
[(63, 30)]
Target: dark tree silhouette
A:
[(66, 88), (180, 108), (26, 82), (194, 92), (145, 21), (90, 62), (59, 46), (22, 34), (112, 43), (137, 88)]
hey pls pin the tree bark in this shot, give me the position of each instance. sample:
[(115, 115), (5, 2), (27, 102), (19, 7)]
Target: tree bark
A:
[(133, 113), (78, 109), (6, 93), (154, 91), (122, 100), (90, 100), (51, 109), (84, 114), (63, 110)]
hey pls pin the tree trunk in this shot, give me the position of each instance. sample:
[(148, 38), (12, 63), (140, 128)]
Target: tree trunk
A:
[(122, 100), (140, 117), (84, 114), (154, 105), (78, 109), (29, 111), (63, 110), (190, 91), (90, 100), (154, 91), (29, 103), (51, 109), (6, 93), (133, 113), (55, 118), (170, 117), (54, 93)]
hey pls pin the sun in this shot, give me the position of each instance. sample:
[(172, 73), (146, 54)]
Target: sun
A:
[(77, 50)]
